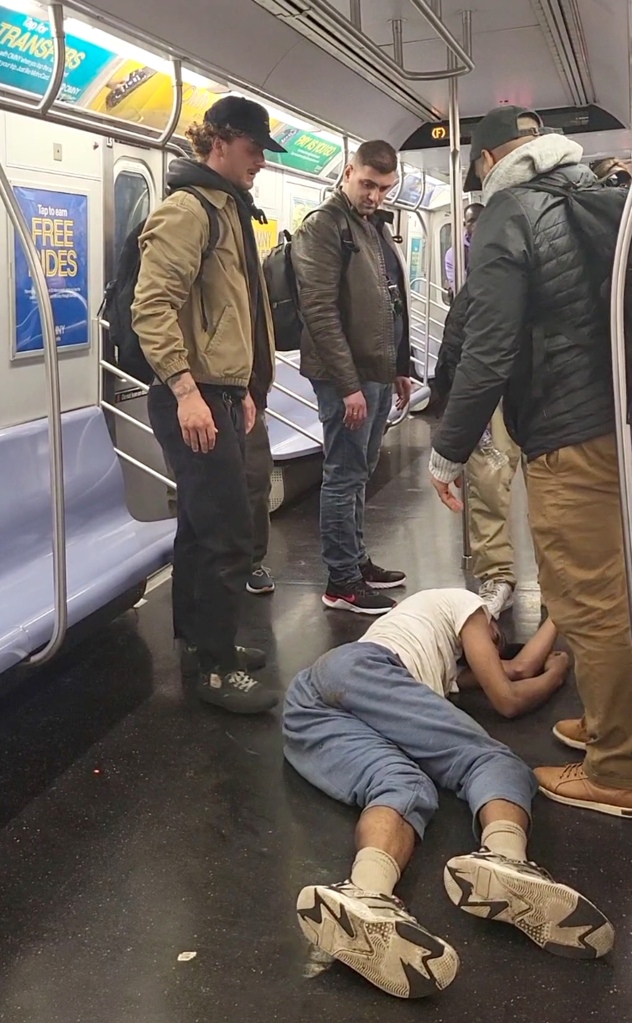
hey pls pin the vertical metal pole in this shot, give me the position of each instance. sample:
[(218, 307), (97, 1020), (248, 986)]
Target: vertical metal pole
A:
[(55, 454), (619, 373), (427, 324), (355, 13), (398, 41), (456, 199)]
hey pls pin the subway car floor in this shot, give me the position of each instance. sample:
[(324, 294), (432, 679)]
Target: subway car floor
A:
[(152, 849)]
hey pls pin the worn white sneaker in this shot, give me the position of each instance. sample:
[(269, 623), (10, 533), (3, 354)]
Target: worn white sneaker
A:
[(554, 916), (498, 595), (378, 938)]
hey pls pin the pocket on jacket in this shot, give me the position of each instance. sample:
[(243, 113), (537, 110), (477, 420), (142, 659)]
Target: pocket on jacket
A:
[(217, 333)]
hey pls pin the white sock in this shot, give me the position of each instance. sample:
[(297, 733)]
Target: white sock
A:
[(506, 839), (375, 871)]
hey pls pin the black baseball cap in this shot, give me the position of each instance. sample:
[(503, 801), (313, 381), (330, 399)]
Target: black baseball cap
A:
[(499, 126), (244, 115)]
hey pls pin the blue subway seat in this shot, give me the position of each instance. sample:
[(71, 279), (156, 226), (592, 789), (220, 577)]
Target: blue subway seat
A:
[(107, 551)]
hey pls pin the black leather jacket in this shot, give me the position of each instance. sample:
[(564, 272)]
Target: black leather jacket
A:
[(531, 335)]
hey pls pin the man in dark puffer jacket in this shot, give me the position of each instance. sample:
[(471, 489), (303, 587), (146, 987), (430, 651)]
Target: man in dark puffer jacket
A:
[(533, 338)]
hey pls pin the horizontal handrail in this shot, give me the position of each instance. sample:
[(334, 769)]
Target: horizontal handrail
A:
[(145, 468), (127, 417), (293, 394), (286, 361), (294, 426), (422, 280), (123, 376)]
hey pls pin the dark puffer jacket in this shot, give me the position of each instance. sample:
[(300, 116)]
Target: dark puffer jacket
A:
[(532, 336)]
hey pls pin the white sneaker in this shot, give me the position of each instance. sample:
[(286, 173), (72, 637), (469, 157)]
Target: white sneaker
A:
[(498, 595), (376, 937), (554, 916)]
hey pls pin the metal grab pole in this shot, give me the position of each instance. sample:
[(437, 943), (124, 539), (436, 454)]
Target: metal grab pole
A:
[(619, 374), (54, 420), (176, 106), (56, 22), (456, 198)]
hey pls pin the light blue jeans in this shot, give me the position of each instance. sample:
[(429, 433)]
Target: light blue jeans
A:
[(361, 729), (350, 457)]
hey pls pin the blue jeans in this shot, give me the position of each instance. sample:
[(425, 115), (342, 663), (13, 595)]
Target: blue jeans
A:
[(350, 457), (361, 729)]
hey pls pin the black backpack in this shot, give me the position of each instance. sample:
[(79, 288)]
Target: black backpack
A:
[(119, 295), (281, 283), (594, 214)]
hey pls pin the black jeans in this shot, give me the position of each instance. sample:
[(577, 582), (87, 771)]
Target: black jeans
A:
[(259, 466), (212, 554)]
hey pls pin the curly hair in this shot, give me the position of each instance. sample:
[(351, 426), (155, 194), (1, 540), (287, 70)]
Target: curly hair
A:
[(202, 136)]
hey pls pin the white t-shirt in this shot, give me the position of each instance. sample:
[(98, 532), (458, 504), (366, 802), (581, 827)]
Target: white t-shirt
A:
[(424, 631)]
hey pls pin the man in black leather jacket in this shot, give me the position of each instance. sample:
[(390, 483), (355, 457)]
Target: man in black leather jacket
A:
[(534, 337)]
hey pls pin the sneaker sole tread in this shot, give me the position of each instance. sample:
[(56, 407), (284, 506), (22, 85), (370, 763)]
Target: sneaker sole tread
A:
[(386, 586), (554, 916), (380, 950)]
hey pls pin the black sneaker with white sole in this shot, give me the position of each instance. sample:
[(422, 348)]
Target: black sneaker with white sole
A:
[(378, 938), (249, 658), (381, 578), (357, 597), (554, 916), (235, 691)]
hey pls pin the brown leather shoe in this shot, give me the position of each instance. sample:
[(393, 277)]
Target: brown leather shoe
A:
[(572, 732), (571, 786)]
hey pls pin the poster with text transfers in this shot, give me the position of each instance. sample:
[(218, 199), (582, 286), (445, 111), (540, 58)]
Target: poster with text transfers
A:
[(58, 222), (26, 57)]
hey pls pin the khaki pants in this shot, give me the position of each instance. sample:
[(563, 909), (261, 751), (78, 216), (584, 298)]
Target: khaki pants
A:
[(489, 492), (575, 519)]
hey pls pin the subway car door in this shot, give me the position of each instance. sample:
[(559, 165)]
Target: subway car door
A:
[(133, 180)]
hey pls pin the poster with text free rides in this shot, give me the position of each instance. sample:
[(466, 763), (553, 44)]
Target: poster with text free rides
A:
[(58, 222)]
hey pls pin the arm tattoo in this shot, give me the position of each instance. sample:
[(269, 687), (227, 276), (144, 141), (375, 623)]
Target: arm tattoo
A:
[(182, 387)]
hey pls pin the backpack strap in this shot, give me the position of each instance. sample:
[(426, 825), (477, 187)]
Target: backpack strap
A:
[(211, 212), (346, 237)]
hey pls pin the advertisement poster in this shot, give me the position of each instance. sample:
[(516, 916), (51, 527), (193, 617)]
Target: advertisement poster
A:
[(58, 222), (267, 236), (26, 57), (301, 206), (415, 267), (305, 152), (136, 93)]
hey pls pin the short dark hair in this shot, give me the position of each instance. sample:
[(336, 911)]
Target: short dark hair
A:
[(377, 154), (475, 207)]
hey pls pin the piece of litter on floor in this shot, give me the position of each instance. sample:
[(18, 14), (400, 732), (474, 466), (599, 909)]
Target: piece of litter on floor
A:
[(186, 957)]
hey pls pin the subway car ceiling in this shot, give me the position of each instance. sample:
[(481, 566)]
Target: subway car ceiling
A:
[(351, 64)]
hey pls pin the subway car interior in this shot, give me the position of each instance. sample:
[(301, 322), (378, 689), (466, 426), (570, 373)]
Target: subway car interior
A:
[(152, 848)]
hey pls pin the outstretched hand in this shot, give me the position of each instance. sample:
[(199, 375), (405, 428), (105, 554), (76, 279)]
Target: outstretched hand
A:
[(448, 498)]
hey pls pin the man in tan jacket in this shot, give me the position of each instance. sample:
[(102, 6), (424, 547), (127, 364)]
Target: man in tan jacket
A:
[(203, 319)]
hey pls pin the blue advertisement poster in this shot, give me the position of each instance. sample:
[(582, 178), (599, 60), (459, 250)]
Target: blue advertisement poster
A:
[(58, 222), (26, 57)]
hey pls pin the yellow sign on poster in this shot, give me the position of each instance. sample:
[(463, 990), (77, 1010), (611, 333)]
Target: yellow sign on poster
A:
[(136, 93), (267, 236)]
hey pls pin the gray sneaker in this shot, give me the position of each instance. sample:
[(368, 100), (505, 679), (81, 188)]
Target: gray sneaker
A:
[(378, 938), (554, 916), (260, 581), (235, 691)]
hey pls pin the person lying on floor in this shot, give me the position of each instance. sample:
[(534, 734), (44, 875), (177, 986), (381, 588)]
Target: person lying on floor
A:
[(371, 724)]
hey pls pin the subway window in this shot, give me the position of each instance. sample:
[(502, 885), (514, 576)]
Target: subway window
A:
[(131, 205)]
